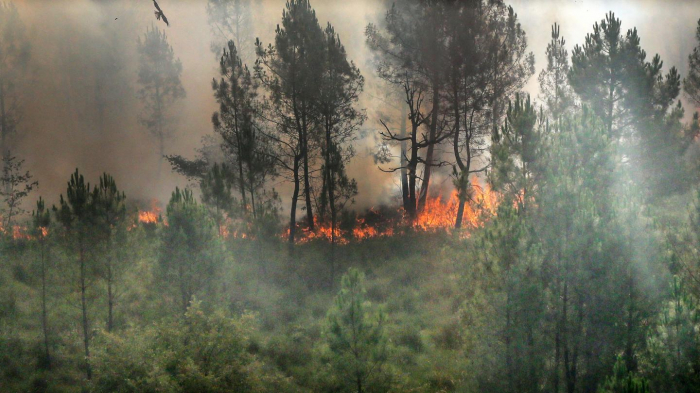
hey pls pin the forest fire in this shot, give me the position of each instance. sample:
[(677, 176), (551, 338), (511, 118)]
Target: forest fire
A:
[(152, 216), (438, 215), (19, 232)]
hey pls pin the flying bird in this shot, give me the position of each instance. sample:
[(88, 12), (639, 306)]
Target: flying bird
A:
[(159, 13)]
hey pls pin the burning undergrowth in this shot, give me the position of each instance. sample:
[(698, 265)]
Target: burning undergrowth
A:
[(438, 215)]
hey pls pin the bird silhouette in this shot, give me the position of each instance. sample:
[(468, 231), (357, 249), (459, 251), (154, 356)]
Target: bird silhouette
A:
[(159, 13)]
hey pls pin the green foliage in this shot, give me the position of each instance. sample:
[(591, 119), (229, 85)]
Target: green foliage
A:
[(356, 337), (216, 192), (78, 208), (635, 101), (15, 185), (516, 149), (691, 83), (41, 217), (623, 381), (674, 348), (341, 85), (554, 86), (191, 253), (197, 352), (237, 122)]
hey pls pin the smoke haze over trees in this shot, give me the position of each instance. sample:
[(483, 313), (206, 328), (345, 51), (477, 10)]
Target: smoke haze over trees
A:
[(358, 196), (77, 36)]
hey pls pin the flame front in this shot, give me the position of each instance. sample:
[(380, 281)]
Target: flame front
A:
[(441, 215), (438, 214), (150, 216)]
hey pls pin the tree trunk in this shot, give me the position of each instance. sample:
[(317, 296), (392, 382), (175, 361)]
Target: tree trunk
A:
[(307, 183), (83, 301), (404, 170), (424, 189), (241, 179), (508, 340), (252, 194), (110, 296), (460, 212), (629, 345), (569, 361), (412, 169), (184, 293), (295, 197), (611, 102), (463, 167), (44, 317)]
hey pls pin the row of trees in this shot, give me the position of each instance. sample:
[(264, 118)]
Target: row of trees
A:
[(81, 252), (455, 83), (585, 255), (300, 128), (455, 65), (87, 239)]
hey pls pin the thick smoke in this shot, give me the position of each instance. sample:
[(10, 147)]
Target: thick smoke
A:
[(80, 107)]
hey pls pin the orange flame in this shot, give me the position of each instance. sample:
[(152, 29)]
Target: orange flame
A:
[(441, 215), (438, 214), (150, 216), (20, 233)]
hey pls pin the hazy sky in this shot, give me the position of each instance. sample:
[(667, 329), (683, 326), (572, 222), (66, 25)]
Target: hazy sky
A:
[(71, 40)]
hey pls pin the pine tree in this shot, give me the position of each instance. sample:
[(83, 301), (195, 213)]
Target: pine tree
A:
[(290, 71), (77, 214), (554, 85), (238, 124), (515, 151), (455, 80), (600, 72), (111, 210), (16, 185), (341, 85), (674, 347), (41, 220), (356, 339), (159, 77), (636, 102), (691, 83), (216, 193), (190, 255)]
